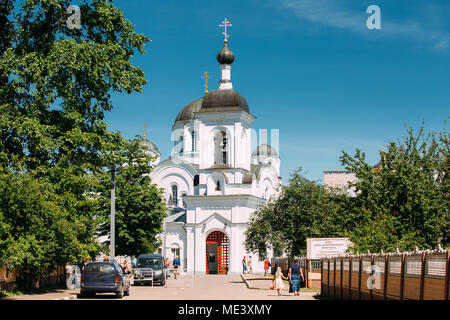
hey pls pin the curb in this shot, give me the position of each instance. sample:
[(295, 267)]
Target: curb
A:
[(249, 286), (72, 297), (246, 283)]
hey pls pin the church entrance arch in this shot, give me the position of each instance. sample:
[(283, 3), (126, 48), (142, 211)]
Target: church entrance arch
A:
[(217, 253)]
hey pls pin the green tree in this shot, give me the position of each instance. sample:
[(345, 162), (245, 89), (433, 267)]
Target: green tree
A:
[(55, 87), (304, 209), (405, 202), (35, 233), (140, 209)]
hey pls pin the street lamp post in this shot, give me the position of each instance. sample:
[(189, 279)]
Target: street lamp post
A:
[(113, 213)]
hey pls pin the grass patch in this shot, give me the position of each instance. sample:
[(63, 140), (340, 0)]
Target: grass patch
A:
[(16, 292), (9, 293)]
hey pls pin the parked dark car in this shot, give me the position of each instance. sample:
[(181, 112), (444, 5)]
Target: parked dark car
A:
[(100, 277), (148, 266)]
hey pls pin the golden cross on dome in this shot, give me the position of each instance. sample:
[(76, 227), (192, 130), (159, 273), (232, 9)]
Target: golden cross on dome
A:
[(145, 126), (225, 24), (205, 76)]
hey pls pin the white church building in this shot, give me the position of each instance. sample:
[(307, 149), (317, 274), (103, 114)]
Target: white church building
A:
[(213, 181)]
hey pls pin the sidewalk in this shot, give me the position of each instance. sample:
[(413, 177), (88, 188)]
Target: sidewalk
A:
[(57, 294), (258, 281), (261, 282)]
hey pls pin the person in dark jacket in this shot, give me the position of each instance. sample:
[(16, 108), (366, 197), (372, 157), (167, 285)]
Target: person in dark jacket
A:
[(176, 263)]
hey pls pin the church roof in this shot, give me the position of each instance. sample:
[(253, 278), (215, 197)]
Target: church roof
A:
[(151, 146), (187, 113), (214, 101), (177, 217), (224, 100)]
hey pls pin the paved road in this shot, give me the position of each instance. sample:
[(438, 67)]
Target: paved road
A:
[(188, 287)]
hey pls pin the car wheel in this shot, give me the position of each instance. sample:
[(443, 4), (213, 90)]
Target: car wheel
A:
[(120, 293), (163, 282)]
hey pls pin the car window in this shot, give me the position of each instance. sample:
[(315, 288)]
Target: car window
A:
[(150, 263), (121, 269), (99, 268)]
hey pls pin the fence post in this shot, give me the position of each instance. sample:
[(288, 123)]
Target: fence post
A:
[(307, 273), (321, 277), (402, 275), (342, 277), (328, 278), (334, 277), (359, 277), (372, 261), (350, 277), (422, 274), (447, 276), (385, 275)]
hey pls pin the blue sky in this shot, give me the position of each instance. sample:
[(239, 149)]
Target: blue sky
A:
[(309, 68)]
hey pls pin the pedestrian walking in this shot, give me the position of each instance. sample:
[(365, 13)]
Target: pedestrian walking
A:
[(296, 277), (133, 261), (176, 263), (167, 264), (266, 266), (250, 264), (244, 266), (277, 281)]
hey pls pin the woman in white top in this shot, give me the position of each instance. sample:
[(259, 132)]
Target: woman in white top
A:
[(278, 280)]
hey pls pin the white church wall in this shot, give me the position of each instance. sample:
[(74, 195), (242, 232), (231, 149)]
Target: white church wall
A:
[(176, 239)]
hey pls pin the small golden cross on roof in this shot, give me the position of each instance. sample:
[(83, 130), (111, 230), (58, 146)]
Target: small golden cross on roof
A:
[(225, 24), (205, 76), (145, 126)]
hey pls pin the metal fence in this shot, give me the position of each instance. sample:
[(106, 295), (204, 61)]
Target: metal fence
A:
[(420, 275)]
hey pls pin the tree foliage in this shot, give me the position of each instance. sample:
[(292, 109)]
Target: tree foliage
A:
[(402, 203), (303, 209), (405, 202), (140, 209), (55, 87)]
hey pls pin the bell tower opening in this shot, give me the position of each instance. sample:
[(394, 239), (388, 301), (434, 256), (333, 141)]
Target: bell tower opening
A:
[(220, 148)]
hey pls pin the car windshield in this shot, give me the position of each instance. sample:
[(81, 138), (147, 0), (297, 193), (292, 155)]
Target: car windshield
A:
[(149, 263), (99, 268)]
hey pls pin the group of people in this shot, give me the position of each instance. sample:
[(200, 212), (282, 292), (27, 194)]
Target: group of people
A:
[(247, 265), (175, 265), (295, 277)]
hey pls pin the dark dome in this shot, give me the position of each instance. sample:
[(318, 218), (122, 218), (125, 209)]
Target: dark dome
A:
[(187, 113), (225, 56), (224, 100)]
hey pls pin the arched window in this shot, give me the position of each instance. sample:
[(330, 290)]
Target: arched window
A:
[(220, 148), (181, 144), (175, 195), (194, 140)]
